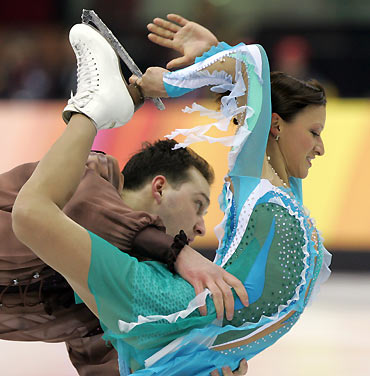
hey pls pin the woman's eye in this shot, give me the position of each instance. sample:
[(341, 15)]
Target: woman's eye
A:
[(315, 134)]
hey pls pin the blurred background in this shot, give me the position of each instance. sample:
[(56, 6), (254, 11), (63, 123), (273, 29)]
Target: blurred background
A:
[(327, 39), (324, 39)]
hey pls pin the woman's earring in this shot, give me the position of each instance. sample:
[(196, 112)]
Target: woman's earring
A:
[(277, 138)]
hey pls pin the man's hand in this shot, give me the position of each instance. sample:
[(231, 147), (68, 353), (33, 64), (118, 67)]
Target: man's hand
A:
[(226, 371), (107, 167), (202, 273), (181, 35)]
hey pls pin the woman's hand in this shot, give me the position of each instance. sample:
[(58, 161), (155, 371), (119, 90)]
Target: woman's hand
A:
[(202, 273), (181, 35), (226, 371), (151, 83)]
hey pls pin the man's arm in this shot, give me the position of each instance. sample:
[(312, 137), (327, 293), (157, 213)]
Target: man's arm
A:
[(179, 34)]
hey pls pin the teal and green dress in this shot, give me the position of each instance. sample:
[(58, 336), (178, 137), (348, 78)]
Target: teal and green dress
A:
[(267, 240)]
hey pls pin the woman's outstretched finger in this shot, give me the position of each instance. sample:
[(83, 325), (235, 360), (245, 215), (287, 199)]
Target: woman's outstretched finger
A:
[(178, 19), (166, 25), (239, 288), (178, 62), (164, 42), (160, 31)]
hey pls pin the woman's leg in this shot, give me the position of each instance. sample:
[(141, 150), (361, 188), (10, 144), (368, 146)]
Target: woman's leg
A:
[(102, 100)]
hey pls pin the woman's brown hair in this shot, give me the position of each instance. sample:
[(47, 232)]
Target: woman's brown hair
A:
[(289, 95)]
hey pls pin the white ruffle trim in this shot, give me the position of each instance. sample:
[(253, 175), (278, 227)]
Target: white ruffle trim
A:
[(197, 134), (198, 301), (323, 275), (194, 77), (225, 205)]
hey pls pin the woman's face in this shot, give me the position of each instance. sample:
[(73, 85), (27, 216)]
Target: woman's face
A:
[(300, 139)]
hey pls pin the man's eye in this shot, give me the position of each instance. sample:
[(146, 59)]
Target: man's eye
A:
[(199, 205), (315, 133)]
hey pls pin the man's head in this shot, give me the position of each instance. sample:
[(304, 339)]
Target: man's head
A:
[(173, 184)]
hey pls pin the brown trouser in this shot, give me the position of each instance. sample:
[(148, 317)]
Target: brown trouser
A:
[(75, 325)]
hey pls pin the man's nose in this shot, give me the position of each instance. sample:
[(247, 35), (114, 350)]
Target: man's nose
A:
[(200, 228)]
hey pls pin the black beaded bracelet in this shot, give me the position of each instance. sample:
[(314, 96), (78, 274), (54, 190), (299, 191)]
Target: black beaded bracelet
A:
[(179, 242)]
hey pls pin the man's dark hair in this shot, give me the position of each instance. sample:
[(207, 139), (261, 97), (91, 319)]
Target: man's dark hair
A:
[(159, 158)]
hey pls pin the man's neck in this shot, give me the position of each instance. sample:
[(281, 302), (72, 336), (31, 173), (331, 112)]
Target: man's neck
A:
[(136, 200)]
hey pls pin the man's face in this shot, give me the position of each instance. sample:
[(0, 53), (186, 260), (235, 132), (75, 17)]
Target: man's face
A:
[(183, 207)]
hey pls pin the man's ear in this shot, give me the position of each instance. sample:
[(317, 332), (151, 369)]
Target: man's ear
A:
[(158, 184), (275, 124)]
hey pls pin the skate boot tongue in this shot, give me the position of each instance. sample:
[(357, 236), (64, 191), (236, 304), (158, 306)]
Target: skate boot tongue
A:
[(87, 75)]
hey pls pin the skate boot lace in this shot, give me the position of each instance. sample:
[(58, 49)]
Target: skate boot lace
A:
[(87, 75)]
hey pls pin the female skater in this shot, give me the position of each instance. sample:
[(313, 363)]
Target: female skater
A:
[(269, 243)]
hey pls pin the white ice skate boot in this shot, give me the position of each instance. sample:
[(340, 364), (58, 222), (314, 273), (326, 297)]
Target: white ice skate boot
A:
[(102, 93)]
